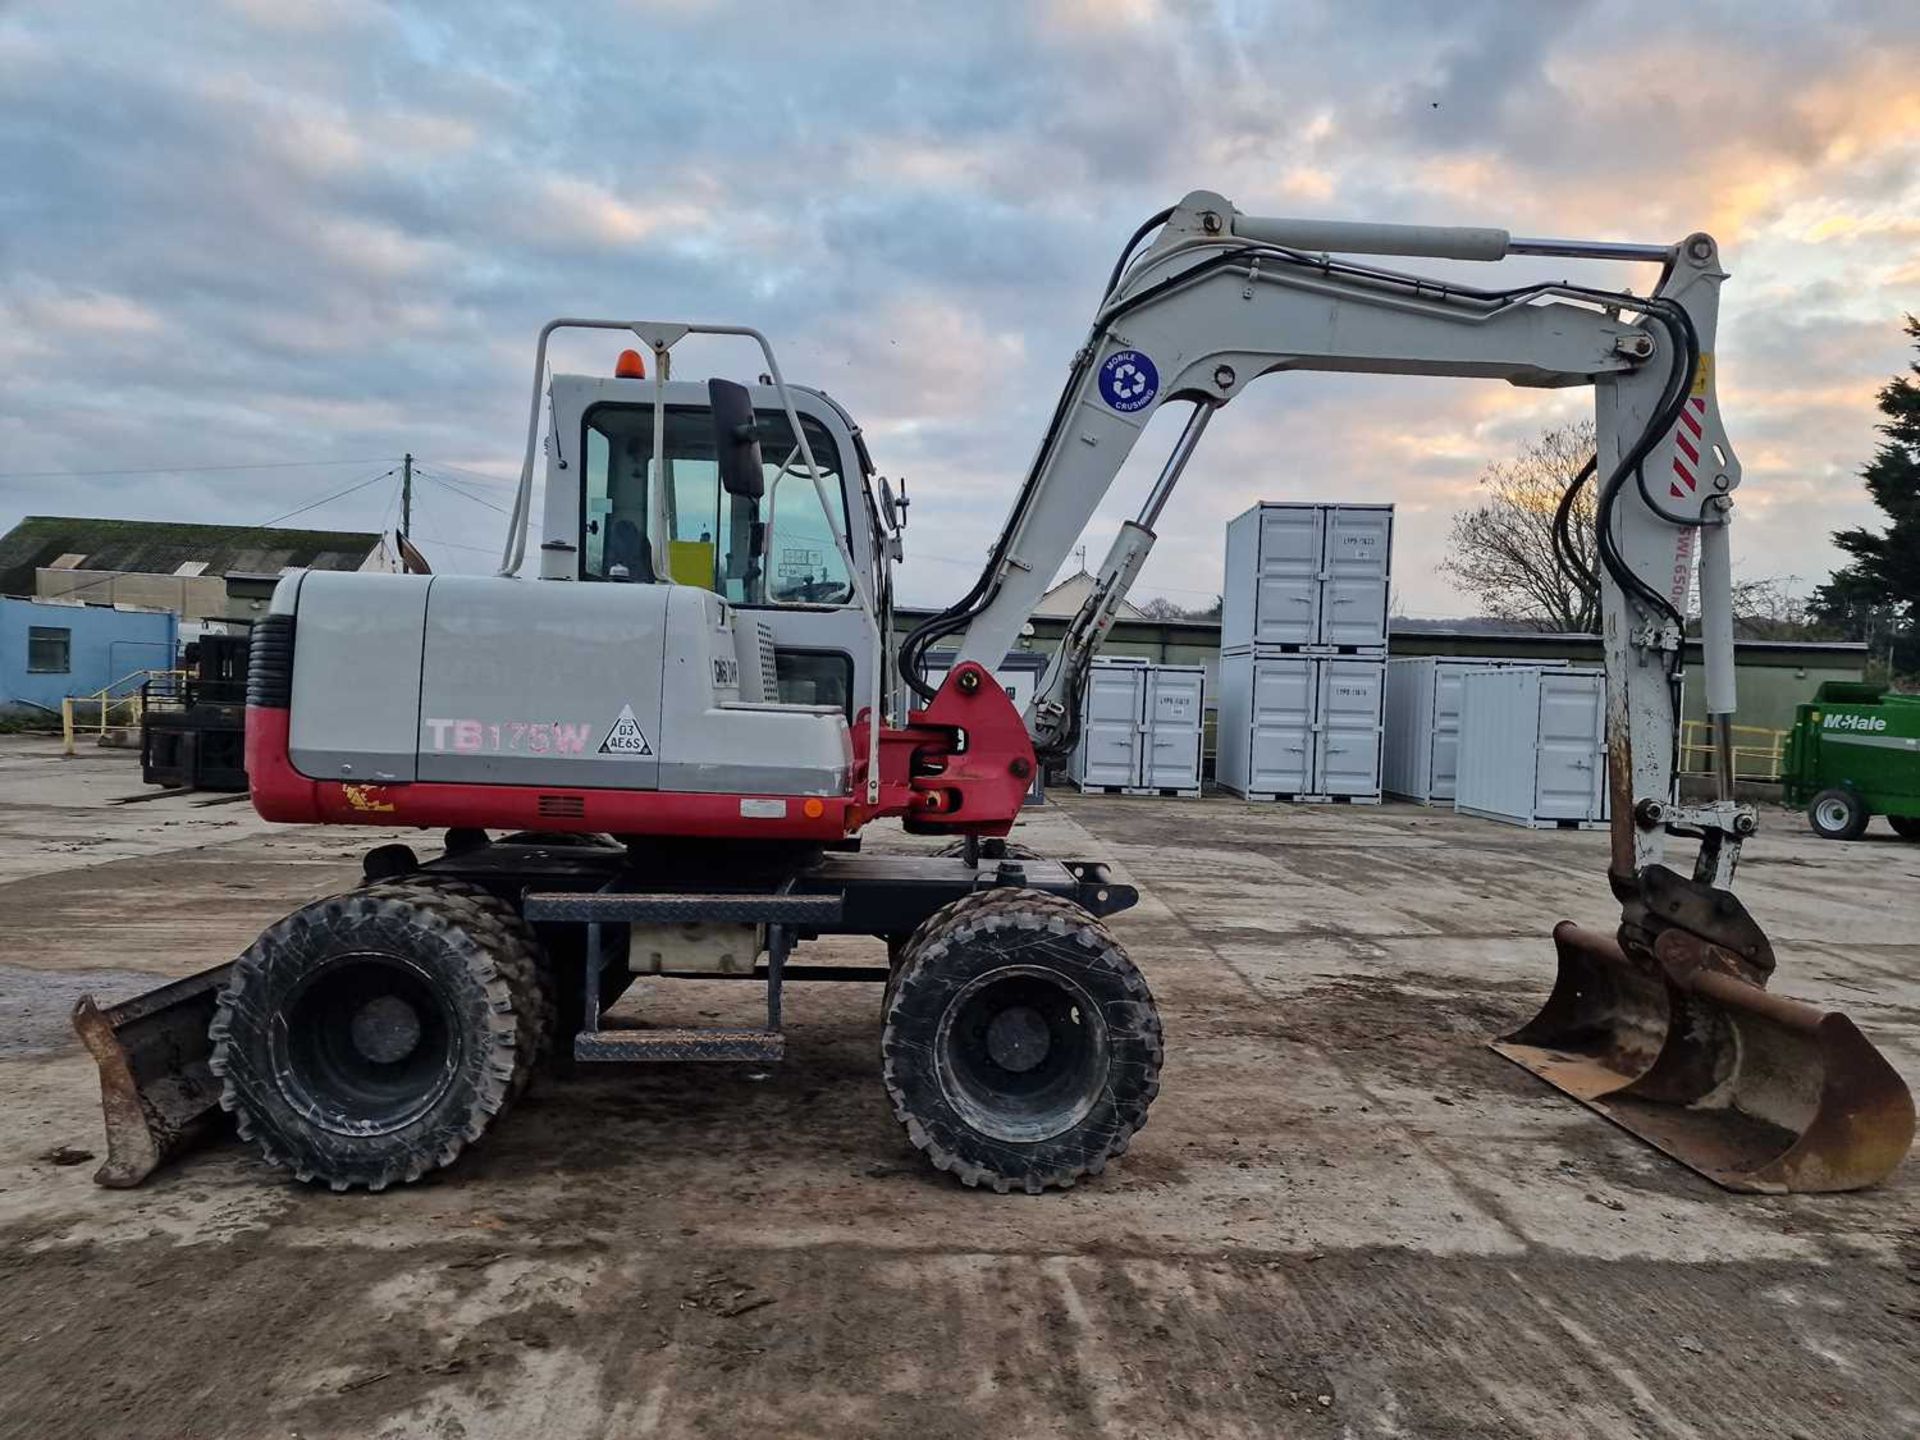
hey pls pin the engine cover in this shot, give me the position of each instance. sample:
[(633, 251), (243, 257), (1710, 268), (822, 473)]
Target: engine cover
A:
[(487, 681)]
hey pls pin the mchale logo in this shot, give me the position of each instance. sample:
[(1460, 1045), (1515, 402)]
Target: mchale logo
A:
[(1855, 722)]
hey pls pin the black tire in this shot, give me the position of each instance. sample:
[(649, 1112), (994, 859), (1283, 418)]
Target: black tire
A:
[(1907, 827), (367, 1039), (1020, 1046), (1838, 814)]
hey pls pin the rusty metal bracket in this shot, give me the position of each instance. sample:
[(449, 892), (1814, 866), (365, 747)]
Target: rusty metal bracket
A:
[(1668, 900)]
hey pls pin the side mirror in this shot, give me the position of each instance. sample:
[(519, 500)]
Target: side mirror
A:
[(736, 440)]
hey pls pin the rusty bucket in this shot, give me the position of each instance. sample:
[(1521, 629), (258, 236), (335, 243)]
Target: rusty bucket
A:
[(156, 1089), (1755, 1091)]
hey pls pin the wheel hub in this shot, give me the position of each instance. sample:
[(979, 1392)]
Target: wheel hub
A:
[(1018, 1039), (385, 1029), (1022, 1053), (368, 1044)]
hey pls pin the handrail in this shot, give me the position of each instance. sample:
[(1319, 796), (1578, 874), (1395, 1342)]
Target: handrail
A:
[(133, 703), (1761, 759)]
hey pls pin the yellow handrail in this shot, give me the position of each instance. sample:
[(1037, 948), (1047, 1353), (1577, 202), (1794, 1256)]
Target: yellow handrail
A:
[(1757, 751), (130, 702)]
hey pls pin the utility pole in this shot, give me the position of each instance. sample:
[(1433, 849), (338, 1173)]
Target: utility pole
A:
[(406, 496)]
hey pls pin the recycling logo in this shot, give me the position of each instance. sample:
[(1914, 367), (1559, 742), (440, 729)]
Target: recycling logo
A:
[(1128, 381), (626, 737)]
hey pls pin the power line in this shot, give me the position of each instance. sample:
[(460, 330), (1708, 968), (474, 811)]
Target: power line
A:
[(464, 494), (456, 545), (182, 469), (325, 499), (475, 474)]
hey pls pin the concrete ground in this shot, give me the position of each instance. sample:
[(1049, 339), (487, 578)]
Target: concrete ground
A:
[(1345, 1218)]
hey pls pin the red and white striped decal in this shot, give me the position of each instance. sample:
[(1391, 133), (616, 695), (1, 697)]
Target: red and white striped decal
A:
[(1689, 435)]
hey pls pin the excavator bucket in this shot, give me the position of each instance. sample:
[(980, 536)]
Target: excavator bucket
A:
[(158, 1094), (1756, 1092)]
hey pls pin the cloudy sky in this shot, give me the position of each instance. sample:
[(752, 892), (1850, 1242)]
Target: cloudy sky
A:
[(268, 233)]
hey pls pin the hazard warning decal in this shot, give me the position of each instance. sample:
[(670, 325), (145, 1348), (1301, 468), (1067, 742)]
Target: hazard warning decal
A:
[(626, 737)]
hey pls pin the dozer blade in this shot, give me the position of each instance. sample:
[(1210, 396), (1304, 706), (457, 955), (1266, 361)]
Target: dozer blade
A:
[(1756, 1092), (158, 1094)]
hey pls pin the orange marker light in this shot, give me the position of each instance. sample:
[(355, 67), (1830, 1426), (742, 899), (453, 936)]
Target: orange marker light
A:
[(813, 809), (629, 366)]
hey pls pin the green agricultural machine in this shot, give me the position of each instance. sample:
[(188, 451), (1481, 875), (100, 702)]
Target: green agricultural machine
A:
[(1854, 753)]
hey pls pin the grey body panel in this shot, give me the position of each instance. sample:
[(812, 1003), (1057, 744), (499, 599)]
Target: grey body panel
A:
[(522, 683), (356, 683)]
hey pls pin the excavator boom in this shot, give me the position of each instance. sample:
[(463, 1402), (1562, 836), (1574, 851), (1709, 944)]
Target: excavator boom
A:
[(1777, 1096)]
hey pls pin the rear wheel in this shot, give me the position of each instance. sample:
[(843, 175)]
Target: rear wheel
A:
[(1021, 1047), (1837, 815), (1907, 827), (369, 1038)]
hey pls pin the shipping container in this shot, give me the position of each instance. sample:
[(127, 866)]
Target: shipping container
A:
[(1019, 675), (1307, 577), (1300, 727), (1140, 729), (1533, 748), (1422, 719)]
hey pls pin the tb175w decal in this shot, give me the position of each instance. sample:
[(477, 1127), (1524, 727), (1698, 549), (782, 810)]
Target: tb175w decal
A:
[(509, 737)]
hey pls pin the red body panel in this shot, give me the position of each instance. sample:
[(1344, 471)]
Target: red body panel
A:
[(959, 766)]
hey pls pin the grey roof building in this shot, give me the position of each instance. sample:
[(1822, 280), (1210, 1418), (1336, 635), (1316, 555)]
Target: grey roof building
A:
[(200, 572)]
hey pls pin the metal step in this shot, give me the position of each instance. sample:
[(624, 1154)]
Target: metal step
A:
[(679, 1044)]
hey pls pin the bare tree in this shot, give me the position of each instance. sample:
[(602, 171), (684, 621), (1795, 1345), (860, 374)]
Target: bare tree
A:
[(1503, 548), (1161, 608), (1775, 608)]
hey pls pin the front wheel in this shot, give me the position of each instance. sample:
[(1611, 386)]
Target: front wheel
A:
[(1907, 827), (1021, 1046), (1837, 815)]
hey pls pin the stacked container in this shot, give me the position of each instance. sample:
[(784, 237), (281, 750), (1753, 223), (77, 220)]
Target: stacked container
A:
[(1141, 729), (1421, 744), (1533, 747), (1303, 642)]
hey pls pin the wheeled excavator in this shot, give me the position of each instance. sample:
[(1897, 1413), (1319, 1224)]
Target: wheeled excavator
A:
[(658, 756)]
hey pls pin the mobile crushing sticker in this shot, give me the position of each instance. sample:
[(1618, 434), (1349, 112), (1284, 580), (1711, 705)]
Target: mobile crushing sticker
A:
[(1128, 381)]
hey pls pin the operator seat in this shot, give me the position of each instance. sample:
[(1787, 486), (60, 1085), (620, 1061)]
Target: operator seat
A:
[(627, 546)]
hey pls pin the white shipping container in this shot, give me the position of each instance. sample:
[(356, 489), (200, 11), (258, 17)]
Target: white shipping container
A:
[(1422, 735), (1307, 576), (1299, 726), (1533, 748), (1140, 728)]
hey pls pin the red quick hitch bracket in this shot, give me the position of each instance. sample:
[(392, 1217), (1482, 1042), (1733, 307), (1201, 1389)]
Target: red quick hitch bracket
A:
[(960, 766)]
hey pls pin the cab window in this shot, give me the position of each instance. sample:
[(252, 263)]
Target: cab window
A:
[(780, 550)]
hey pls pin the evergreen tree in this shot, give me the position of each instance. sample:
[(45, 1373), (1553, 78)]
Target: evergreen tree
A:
[(1876, 597)]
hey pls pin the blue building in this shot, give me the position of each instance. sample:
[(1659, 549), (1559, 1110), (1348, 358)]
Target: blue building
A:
[(49, 651)]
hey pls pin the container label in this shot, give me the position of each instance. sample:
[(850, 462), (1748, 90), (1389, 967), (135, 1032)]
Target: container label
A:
[(1854, 722)]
